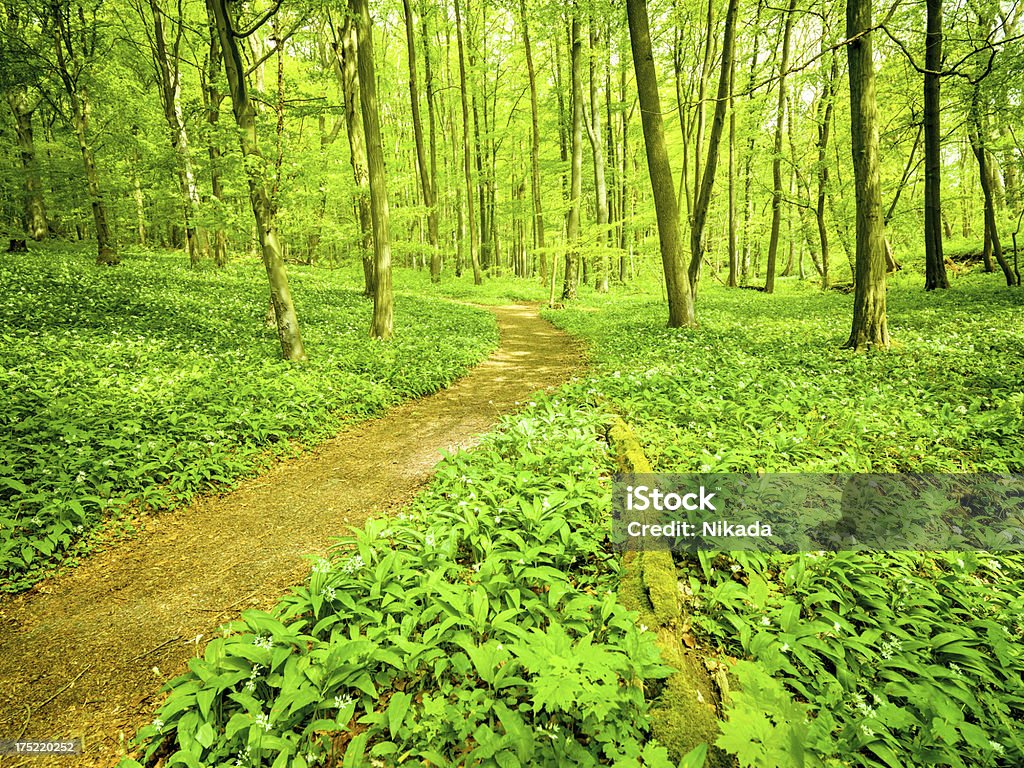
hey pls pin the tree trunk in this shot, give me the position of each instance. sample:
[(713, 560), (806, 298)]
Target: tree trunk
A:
[(80, 107), (870, 327), (435, 256), (169, 84), (985, 175), (734, 256), (773, 243), (748, 199), (467, 155), (677, 283), (383, 309), (538, 212), (346, 70), (34, 216), (600, 185), (213, 98), (702, 201), (264, 214), (826, 105), (572, 226), (935, 265), (426, 184)]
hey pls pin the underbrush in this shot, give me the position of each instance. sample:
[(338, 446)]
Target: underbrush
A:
[(148, 383), (479, 628), (845, 659)]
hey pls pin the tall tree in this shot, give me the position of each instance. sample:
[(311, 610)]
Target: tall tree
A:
[(572, 225), (870, 326), (935, 265), (76, 47), (212, 98), (346, 70), (260, 198), (702, 201), (538, 212), (34, 215), (596, 137), (773, 243), (168, 77), (467, 155), (382, 325), (677, 283), (976, 133), (426, 184)]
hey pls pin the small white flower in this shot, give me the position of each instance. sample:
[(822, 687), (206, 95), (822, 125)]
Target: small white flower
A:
[(784, 648), (866, 731), (321, 566), (429, 540), (340, 702), (643, 627), (263, 642), (158, 724), (497, 520), (960, 562), (80, 478), (501, 647), (766, 621), (263, 721), (995, 565), (996, 747), (836, 627)]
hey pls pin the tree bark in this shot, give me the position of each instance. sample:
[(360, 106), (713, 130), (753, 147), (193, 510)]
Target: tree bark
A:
[(467, 155), (826, 106), (34, 215), (677, 283), (383, 308), (734, 256), (572, 226), (346, 70), (213, 98), (426, 184), (435, 258), (974, 124), (702, 201), (870, 326), (600, 185), (264, 214), (80, 107), (538, 212), (935, 265), (773, 243)]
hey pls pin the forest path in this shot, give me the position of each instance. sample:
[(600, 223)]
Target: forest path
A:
[(84, 653)]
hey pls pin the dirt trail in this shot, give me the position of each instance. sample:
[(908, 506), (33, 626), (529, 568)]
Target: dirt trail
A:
[(84, 654)]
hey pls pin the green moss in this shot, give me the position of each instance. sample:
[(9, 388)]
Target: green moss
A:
[(685, 712)]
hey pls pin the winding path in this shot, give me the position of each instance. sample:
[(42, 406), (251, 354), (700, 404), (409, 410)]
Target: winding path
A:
[(85, 653)]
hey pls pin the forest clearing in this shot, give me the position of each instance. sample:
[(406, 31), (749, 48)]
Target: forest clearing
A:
[(331, 329)]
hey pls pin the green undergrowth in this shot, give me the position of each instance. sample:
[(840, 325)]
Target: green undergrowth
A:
[(764, 384), (147, 383), (479, 627), (495, 289), (845, 659)]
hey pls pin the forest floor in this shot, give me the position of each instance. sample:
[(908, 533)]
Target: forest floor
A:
[(85, 653)]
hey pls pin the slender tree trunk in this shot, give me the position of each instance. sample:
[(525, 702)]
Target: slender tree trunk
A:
[(140, 206), (935, 265), (213, 98), (34, 216), (870, 326), (538, 212), (435, 256), (734, 256), (572, 228), (702, 201), (80, 108), (748, 162), (346, 70), (596, 137), (426, 184), (826, 106), (773, 243), (259, 197), (974, 124), (677, 283), (169, 82), (466, 153), (383, 309)]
